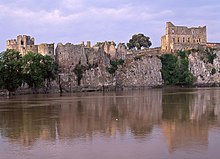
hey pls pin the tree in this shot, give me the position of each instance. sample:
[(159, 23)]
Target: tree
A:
[(139, 41), (10, 70), (168, 68), (175, 69), (50, 68), (38, 68)]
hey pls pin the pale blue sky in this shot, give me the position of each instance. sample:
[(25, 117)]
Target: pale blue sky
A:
[(100, 20)]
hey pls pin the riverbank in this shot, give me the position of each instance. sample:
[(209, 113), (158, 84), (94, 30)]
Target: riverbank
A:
[(29, 91)]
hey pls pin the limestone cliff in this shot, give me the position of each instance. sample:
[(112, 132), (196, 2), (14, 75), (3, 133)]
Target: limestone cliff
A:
[(83, 68), (141, 72), (206, 73)]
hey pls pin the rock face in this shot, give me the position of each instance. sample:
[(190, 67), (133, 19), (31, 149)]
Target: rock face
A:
[(144, 72), (85, 68), (206, 73), (92, 64)]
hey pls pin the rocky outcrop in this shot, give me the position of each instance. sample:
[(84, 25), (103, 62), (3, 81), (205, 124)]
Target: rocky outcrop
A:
[(92, 73), (98, 78), (142, 72), (205, 73)]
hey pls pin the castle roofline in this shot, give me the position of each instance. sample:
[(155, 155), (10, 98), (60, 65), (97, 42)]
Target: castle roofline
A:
[(194, 27)]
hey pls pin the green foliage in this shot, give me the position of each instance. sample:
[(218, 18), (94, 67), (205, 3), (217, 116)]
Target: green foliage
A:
[(139, 41), (175, 70), (183, 54), (114, 65), (208, 55), (168, 68), (195, 50), (50, 68), (213, 71), (79, 70), (10, 70), (38, 68)]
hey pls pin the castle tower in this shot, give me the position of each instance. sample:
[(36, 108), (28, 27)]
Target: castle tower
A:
[(23, 41)]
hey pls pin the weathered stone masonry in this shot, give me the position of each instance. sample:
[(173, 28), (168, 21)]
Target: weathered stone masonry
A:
[(141, 68), (141, 72), (25, 43)]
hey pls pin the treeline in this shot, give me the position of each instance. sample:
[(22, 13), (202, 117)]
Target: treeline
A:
[(33, 69)]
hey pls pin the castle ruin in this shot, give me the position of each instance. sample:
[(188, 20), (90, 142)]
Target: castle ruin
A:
[(25, 43), (183, 38)]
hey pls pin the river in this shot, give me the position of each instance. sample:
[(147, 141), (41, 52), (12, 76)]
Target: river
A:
[(153, 124)]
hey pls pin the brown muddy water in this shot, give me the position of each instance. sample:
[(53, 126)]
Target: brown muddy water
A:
[(145, 124)]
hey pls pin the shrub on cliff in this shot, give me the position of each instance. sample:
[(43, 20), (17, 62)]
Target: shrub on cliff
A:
[(208, 55), (79, 70), (114, 65), (139, 41), (175, 69), (10, 70)]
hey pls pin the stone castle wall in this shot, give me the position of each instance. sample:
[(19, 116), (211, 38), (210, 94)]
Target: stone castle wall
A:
[(25, 43), (213, 45), (46, 49), (141, 72), (181, 37)]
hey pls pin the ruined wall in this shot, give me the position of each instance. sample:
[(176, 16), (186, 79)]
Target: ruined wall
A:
[(69, 55), (181, 37), (25, 43), (94, 61), (11, 44), (214, 45), (46, 49), (32, 48), (121, 51)]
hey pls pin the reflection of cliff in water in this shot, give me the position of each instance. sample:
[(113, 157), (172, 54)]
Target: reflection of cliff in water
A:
[(187, 116), (26, 125), (74, 117), (135, 111), (184, 116)]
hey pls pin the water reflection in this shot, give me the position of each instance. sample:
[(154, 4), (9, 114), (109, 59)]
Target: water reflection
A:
[(81, 117), (184, 117)]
